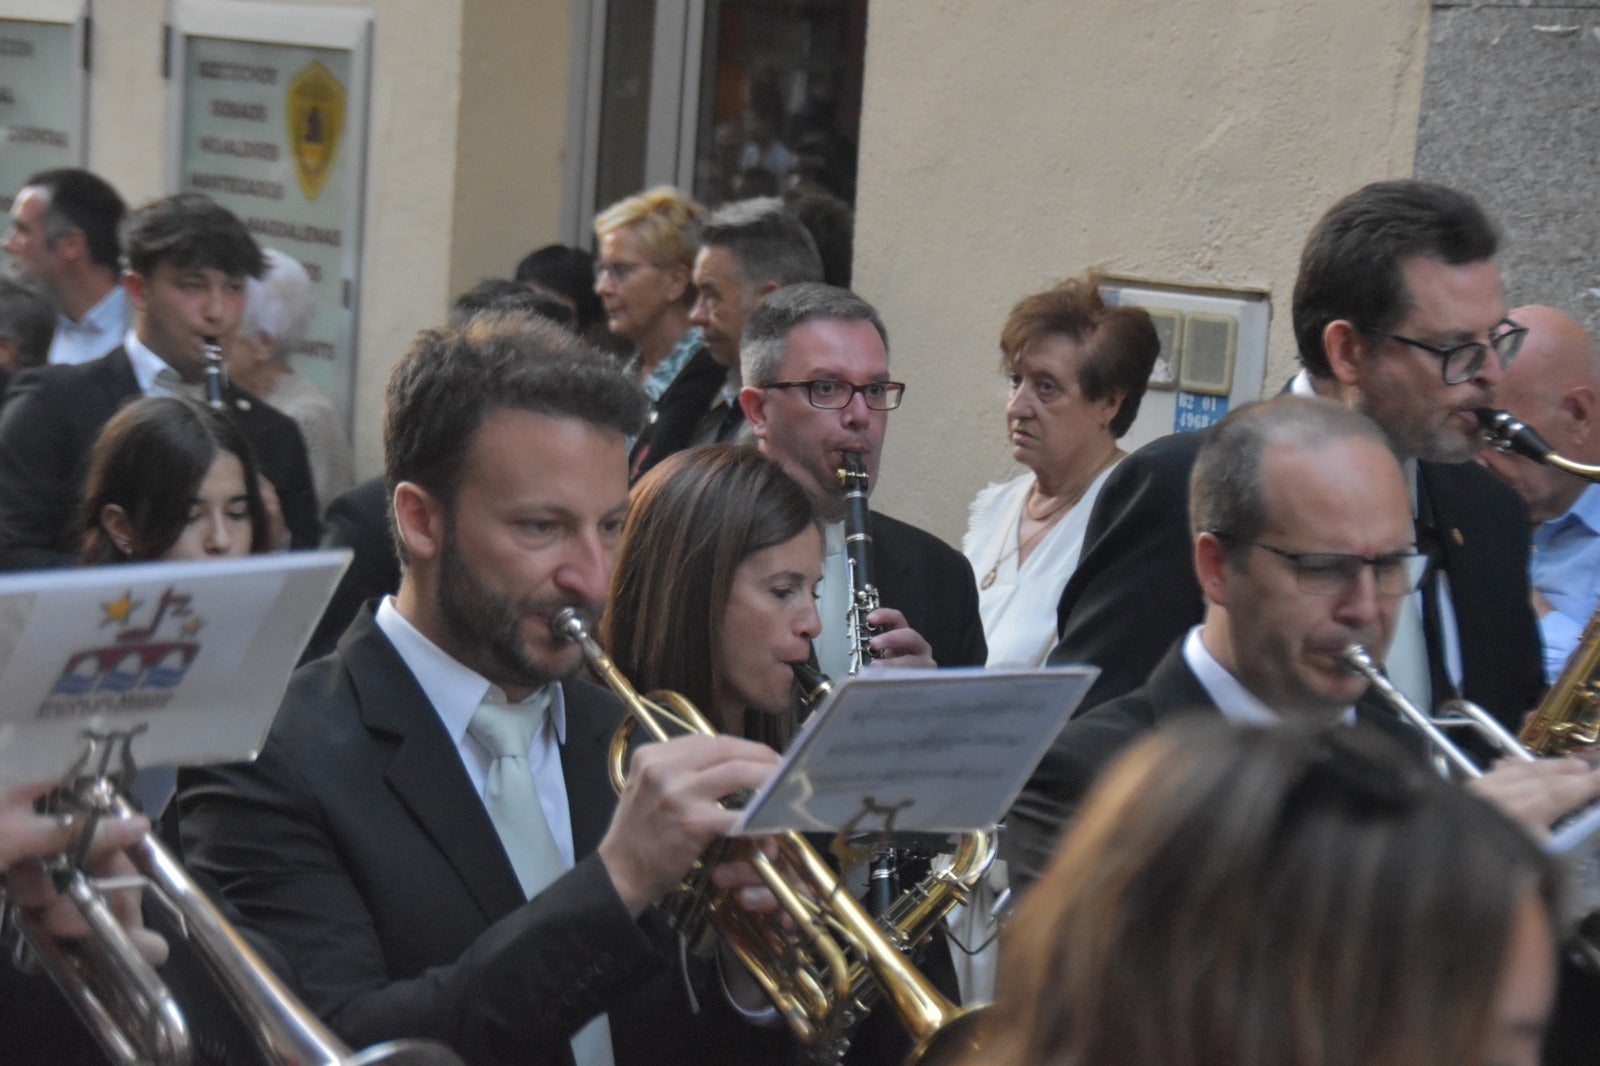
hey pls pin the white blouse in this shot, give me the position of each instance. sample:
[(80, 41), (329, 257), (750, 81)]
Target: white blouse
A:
[(1019, 606)]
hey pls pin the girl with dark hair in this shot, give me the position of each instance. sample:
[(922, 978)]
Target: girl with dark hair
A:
[(170, 478), (713, 595), (1274, 896)]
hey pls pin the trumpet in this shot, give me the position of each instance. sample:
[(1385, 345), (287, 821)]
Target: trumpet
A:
[(809, 977), (119, 995), (1456, 714), (1583, 860)]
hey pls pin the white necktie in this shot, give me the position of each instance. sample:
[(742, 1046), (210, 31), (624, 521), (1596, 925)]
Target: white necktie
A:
[(512, 800), (509, 793)]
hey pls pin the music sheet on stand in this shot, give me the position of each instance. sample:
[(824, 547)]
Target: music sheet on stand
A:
[(926, 751), (190, 657)]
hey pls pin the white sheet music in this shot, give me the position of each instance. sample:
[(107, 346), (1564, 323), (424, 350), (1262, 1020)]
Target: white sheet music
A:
[(938, 751), (197, 654)]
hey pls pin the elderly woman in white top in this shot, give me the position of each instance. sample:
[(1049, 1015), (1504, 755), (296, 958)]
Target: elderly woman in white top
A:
[(1077, 369), (277, 312)]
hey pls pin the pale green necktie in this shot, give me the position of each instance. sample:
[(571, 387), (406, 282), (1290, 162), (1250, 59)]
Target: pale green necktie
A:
[(512, 800)]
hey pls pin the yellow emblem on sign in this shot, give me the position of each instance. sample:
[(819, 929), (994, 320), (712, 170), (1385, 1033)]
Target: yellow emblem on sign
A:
[(314, 109)]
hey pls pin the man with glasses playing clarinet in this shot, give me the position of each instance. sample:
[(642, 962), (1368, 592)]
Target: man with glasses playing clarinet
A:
[(815, 362)]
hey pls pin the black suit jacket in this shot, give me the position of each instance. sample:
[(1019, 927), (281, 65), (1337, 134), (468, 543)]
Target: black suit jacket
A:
[(1135, 590), (678, 412), (357, 519), (49, 423), (357, 843), (930, 583)]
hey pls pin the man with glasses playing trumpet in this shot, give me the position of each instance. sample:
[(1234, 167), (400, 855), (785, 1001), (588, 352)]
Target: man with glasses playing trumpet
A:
[(1304, 547), (430, 835)]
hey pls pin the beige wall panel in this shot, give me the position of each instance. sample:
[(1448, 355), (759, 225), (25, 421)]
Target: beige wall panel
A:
[(1006, 145), (127, 97), (509, 144)]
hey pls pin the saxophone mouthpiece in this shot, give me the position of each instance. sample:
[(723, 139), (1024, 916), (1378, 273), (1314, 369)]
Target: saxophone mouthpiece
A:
[(1509, 434)]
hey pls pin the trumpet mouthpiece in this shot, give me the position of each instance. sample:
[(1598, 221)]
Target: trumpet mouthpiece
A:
[(1357, 659), (570, 624)]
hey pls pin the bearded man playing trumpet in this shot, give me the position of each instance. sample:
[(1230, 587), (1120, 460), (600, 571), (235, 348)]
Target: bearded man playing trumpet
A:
[(422, 873)]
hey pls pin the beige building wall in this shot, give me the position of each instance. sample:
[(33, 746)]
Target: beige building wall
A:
[(1192, 143), (464, 150)]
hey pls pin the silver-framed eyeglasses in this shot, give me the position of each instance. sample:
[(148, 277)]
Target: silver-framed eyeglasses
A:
[(619, 271), (1459, 362), (1335, 573), (831, 394)]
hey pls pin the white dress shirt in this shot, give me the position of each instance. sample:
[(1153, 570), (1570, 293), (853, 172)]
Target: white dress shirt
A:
[(95, 334), (455, 691), (1237, 703)]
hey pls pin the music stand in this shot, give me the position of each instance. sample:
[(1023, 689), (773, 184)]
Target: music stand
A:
[(920, 751)]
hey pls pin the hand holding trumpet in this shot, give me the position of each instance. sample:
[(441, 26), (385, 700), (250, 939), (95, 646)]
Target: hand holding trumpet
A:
[(27, 838)]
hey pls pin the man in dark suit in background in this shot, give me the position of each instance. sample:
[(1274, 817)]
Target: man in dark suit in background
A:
[(816, 373), (369, 840), (188, 259), (1398, 313), (747, 249)]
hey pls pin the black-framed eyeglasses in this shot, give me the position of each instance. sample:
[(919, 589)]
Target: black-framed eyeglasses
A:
[(1334, 573), (1459, 362), (831, 394)]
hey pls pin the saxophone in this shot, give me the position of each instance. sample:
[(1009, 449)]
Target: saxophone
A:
[(1568, 718)]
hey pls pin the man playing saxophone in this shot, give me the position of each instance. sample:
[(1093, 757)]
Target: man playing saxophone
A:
[(430, 835), (1553, 386)]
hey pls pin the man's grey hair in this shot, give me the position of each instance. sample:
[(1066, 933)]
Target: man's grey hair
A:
[(766, 242), (1227, 494), (27, 317), (766, 333), (280, 304)]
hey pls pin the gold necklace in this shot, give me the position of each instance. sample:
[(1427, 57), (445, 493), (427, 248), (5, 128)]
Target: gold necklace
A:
[(1048, 520)]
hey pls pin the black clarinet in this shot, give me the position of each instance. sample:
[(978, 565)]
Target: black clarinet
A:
[(883, 880), (858, 552), (213, 352)]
